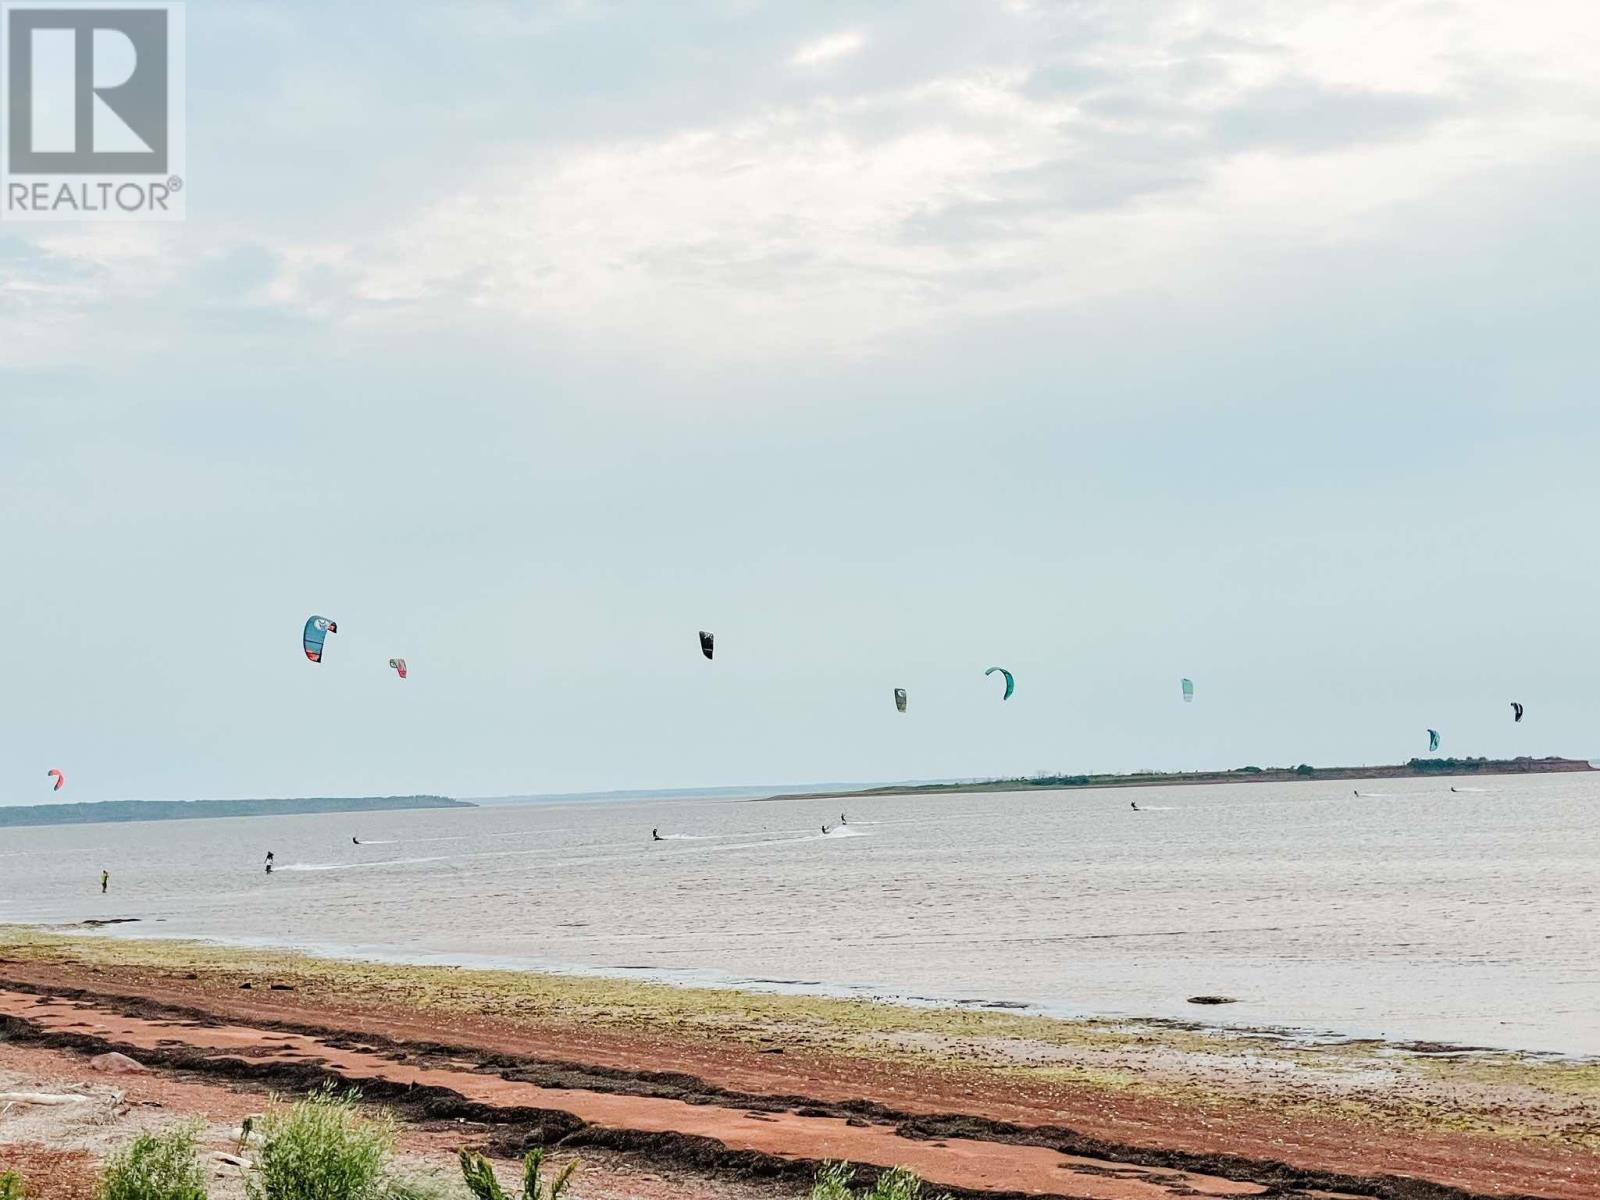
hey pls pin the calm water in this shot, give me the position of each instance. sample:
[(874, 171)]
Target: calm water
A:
[(1413, 914)]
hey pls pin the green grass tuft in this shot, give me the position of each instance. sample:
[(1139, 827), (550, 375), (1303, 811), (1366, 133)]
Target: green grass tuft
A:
[(835, 1182), (155, 1166), (479, 1176), (324, 1148)]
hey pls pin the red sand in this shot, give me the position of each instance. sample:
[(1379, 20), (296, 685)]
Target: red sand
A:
[(1471, 1161)]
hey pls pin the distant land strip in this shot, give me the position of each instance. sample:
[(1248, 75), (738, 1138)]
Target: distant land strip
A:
[(1416, 768), (114, 811)]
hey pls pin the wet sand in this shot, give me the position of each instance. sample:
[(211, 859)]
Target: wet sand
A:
[(739, 1089)]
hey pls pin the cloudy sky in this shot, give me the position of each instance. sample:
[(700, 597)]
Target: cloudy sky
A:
[(1109, 342)]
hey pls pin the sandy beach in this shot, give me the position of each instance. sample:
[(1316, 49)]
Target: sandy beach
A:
[(720, 1090)]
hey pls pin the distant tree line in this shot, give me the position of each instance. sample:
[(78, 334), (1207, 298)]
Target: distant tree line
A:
[(1448, 766), (187, 810)]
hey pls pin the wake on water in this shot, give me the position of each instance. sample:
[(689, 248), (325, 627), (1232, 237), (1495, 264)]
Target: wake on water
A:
[(841, 831), (837, 831), (359, 866), (454, 837)]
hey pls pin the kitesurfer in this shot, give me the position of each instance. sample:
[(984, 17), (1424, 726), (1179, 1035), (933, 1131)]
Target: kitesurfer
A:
[(105, 881), (655, 836), (355, 841), (1133, 804), (842, 821)]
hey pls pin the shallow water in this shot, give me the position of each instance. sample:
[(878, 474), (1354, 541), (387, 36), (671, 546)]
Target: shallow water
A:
[(1410, 913)]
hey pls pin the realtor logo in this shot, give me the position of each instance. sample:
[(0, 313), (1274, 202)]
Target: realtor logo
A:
[(93, 110)]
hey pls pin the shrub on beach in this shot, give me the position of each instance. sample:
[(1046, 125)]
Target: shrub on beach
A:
[(323, 1148), (156, 1166), (11, 1187), (835, 1180), (475, 1169)]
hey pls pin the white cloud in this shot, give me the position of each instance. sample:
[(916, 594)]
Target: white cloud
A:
[(1147, 163), (823, 50), (1162, 152)]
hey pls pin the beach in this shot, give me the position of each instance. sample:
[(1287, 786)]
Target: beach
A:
[(799, 601), (1410, 913), (734, 1089), (1275, 989)]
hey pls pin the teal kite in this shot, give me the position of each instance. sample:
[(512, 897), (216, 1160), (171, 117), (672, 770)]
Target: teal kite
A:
[(1188, 691), (1433, 739), (1011, 684), (316, 634)]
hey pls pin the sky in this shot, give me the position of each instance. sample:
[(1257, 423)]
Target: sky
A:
[(1112, 343)]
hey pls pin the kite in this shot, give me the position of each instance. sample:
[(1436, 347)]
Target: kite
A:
[(1011, 684), (317, 631), (399, 664)]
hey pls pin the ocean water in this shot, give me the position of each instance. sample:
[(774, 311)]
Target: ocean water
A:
[(1409, 913)]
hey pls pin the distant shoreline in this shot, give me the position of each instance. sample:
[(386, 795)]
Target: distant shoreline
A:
[(123, 811), (1417, 768)]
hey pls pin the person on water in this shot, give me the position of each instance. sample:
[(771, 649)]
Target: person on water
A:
[(105, 881), (824, 829), (355, 841), (1133, 805), (655, 835), (842, 821)]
